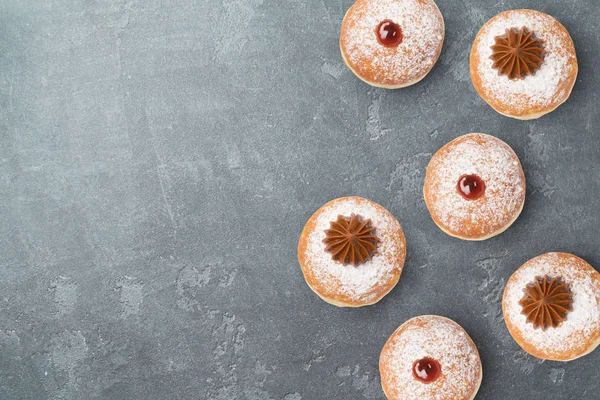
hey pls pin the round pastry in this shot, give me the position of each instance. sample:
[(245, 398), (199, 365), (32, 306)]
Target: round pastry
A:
[(551, 307), (474, 187), (392, 43), (352, 252), (430, 357), (523, 63)]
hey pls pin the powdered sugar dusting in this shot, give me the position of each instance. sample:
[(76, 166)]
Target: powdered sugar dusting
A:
[(496, 164), (422, 28), (438, 338), (583, 322), (540, 90), (362, 282)]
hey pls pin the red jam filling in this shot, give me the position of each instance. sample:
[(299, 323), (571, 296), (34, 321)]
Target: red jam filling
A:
[(426, 370), (470, 187), (389, 33)]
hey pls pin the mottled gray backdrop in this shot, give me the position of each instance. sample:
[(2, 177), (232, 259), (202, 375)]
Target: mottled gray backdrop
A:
[(159, 158)]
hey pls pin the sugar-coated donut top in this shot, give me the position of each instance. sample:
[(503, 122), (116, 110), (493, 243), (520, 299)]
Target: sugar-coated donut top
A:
[(423, 34), (547, 87), (582, 326), (496, 164), (434, 337), (360, 283)]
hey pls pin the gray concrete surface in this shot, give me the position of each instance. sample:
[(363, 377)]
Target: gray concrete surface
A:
[(159, 158)]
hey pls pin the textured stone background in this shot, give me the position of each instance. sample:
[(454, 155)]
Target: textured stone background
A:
[(159, 158)]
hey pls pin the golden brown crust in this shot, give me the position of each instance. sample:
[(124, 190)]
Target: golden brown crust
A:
[(392, 67), (346, 285), (497, 165), (579, 334), (440, 339), (536, 95)]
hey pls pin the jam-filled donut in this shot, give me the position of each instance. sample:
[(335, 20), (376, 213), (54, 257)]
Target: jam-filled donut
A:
[(430, 358), (551, 306), (392, 43), (352, 252), (474, 187), (523, 63)]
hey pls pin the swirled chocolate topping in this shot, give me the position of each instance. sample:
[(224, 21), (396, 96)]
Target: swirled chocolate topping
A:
[(517, 53), (546, 302), (351, 240)]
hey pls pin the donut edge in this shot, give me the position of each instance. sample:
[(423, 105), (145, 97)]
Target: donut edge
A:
[(387, 343), (496, 232), (525, 116), (302, 244), (404, 85), (529, 349)]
